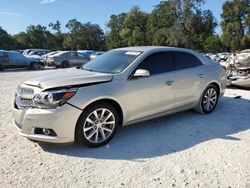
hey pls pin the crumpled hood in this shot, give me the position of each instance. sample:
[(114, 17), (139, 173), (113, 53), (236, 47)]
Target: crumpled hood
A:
[(68, 77)]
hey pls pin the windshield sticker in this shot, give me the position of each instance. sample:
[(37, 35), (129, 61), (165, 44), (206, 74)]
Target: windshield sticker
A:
[(133, 53)]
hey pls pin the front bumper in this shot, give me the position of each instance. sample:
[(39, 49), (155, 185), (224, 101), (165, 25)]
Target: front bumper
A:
[(61, 120), (49, 63), (241, 81)]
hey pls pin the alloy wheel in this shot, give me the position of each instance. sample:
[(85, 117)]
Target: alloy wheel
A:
[(210, 99), (99, 125)]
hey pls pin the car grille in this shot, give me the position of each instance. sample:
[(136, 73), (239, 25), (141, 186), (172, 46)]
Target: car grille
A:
[(25, 91), (24, 96), (26, 102)]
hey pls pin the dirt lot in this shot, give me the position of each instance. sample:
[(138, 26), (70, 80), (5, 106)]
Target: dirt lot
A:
[(182, 150)]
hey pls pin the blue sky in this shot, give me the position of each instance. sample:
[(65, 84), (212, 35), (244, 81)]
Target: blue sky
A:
[(16, 15)]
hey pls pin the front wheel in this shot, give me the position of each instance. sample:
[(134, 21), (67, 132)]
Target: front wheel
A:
[(36, 66), (208, 100), (97, 125)]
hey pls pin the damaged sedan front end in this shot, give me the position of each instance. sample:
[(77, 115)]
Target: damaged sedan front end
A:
[(238, 70), (43, 105)]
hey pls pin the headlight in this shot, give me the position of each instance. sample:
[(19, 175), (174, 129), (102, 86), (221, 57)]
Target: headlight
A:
[(53, 99)]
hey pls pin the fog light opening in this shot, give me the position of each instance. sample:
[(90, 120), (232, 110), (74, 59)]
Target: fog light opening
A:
[(46, 132)]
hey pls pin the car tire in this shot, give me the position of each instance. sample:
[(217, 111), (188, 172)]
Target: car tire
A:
[(1, 68), (65, 64), (208, 100), (36, 66), (97, 125)]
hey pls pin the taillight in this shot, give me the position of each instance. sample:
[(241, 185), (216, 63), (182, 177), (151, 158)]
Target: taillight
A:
[(225, 69)]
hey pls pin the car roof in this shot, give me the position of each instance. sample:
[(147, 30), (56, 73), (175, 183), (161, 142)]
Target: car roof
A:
[(37, 49), (62, 52), (150, 48), (85, 50)]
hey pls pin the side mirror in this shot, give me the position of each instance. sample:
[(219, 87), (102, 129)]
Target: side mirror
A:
[(141, 73)]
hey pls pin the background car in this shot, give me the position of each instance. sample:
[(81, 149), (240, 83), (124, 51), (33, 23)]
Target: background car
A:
[(224, 56), (19, 51), (32, 52), (95, 54), (38, 52), (87, 53), (10, 59), (215, 57), (238, 69), (45, 57), (65, 59)]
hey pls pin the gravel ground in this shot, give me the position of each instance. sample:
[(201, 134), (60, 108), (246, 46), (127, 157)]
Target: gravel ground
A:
[(182, 150)]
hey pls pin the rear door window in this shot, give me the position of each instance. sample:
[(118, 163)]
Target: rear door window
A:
[(81, 55), (185, 60)]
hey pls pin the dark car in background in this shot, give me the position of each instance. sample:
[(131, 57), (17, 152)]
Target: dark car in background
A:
[(87, 53), (65, 59), (10, 59)]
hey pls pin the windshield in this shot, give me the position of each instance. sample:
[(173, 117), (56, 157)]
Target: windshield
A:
[(112, 61)]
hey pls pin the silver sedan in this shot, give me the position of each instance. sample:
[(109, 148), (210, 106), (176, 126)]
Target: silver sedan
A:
[(87, 104)]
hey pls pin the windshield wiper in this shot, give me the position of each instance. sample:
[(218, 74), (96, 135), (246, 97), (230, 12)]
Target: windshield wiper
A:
[(87, 69)]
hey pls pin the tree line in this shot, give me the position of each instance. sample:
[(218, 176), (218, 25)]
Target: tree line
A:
[(179, 23)]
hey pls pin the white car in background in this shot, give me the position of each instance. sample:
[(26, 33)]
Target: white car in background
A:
[(95, 55), (214, 57)]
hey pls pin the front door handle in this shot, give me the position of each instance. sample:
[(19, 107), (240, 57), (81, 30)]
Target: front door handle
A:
[(169, 83)]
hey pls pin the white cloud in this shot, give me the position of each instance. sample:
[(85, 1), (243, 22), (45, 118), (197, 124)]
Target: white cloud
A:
[(10, 13), (47, 1), (69, 5)]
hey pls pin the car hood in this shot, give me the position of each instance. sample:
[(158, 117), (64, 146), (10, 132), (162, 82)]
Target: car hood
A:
[(33, 58), (69, 77)]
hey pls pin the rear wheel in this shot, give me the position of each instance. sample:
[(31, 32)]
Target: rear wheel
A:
[(209, 100), (97, 125), (1, 68), (65, 64)]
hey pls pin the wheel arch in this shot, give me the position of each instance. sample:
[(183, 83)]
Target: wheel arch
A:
[(216, 84), (110, 101)]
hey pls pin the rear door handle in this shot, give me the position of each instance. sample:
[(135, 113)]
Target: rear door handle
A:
[(169, 83), (201, 75)]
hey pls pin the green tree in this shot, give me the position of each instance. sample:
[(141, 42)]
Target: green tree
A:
[(213, 44), (235, 24), (22, 41), (6, 42), (161, 22), (84, 36), (127, 29), (135, 27), (57, 38), (39, 37), (115, 27), (180, 23), (56, 27)]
